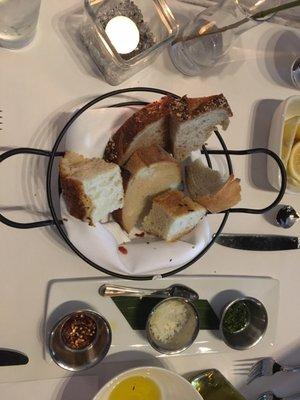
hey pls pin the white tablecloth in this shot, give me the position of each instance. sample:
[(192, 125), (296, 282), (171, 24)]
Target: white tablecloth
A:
[(39, 85)]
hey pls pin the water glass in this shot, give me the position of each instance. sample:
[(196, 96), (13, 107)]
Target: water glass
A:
[(18, 21), (191, 51)]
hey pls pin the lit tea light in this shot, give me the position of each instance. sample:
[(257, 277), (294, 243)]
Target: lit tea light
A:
[(123, 34)]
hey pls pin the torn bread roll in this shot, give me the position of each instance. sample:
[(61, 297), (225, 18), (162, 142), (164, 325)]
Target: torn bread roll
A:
[(210, 189)]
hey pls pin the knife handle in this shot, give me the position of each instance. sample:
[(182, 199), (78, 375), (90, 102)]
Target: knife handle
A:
[(277, 243), (12, 357), (259, 242)]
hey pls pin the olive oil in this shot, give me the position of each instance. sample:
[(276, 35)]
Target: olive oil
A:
[(212, 385), (136, 388)]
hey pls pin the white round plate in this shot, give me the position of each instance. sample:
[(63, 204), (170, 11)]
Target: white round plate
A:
[(172, 385)]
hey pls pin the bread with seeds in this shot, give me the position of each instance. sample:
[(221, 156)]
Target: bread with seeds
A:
[(192, 121)]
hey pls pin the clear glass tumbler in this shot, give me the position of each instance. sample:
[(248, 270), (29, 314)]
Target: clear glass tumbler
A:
[(191, 52), (18, 21)]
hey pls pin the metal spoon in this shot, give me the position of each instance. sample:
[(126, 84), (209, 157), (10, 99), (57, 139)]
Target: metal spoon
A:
[(176, 290), (287, 216), (295, 72)]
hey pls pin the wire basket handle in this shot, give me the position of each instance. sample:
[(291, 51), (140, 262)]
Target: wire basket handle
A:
[(20, 225), (282, 172)]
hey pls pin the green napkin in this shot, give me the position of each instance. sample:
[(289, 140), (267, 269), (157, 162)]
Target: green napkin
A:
[(136, 311)]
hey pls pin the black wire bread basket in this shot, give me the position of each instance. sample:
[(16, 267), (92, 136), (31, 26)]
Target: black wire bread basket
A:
[(53, 185)]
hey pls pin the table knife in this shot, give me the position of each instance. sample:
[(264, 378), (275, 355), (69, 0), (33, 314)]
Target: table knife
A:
[(12, 357), (259, 242)]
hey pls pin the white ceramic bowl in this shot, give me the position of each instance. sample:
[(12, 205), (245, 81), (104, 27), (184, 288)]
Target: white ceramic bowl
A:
[(172, 385), (286, 110)]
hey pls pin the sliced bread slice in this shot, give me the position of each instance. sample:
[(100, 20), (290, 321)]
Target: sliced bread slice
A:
[(172, 215), (193, 121), (208, 188), (91, 187), (149, 171), (147, 126)]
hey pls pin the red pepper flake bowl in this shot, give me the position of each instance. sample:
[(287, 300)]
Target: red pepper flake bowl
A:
[(80, 340)]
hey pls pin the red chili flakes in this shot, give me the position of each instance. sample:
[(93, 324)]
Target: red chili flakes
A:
[(79, 331), (122, 250), (142, 234)]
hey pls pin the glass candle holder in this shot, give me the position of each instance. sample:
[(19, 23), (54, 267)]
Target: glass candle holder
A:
[(156, 27)]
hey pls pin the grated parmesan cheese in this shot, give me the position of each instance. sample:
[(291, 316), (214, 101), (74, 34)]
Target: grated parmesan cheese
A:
[(168, 320)]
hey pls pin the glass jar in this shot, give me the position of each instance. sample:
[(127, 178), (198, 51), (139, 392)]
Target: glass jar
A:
[(157, 28), (191, 51), (212, 385)]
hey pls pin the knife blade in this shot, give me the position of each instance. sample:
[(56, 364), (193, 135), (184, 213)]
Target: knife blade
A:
[(12, 357), (259, 242)]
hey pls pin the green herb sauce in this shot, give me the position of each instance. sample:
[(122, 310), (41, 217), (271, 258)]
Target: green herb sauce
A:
[(236, 317)]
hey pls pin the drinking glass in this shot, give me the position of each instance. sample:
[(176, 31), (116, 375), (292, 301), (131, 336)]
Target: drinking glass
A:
[(191, 52), (18, 21)]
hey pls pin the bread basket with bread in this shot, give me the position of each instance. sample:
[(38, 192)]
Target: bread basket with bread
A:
[(135, 185)]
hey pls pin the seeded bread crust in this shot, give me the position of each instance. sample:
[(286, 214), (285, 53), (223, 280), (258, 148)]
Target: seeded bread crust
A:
[(118, 147), (186, 108)]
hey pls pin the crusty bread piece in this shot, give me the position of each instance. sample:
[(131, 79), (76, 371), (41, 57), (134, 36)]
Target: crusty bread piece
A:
[(92, 188), (208, 188), (149, 171), (147, 126), (172, 215), (192, 122)]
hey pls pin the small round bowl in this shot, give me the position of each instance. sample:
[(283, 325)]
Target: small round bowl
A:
[(286, 109), (79, 360), (171, 385), (254, 329), (184, 338)]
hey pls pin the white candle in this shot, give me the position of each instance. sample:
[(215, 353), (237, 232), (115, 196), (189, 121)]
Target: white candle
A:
[(123, 34)]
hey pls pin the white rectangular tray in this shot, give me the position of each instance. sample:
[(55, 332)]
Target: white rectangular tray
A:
[(129, 346), (70, 295)]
